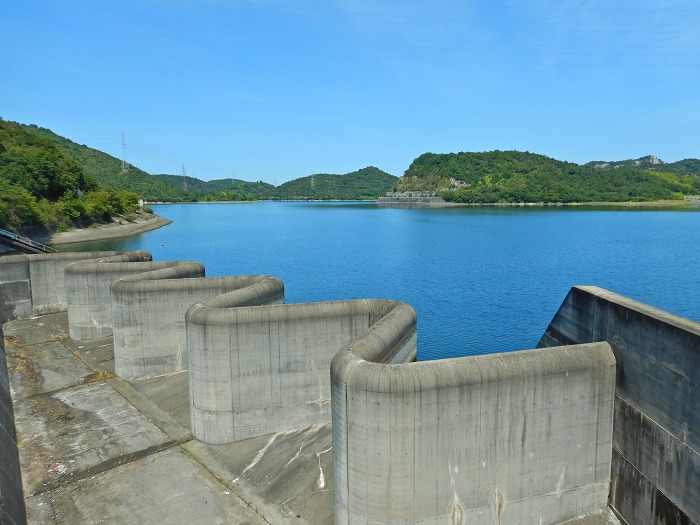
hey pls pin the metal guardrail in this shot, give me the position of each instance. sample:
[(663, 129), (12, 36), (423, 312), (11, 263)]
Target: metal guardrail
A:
[(26, 241)]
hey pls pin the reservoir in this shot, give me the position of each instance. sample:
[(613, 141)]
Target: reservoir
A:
[(481, 279)]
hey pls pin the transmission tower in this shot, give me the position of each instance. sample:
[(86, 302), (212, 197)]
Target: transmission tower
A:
[(184, 179), (125, 164)]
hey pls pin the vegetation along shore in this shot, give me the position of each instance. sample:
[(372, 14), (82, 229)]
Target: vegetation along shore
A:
[(46, 179)]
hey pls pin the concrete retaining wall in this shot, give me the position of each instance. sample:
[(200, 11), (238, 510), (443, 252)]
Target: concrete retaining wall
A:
[(12, 511), (35, 284), (656, 446), (521, 437), (148, 311), (258, 370), (88, 289)]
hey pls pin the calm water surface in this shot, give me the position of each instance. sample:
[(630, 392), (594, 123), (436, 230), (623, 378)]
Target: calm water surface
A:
[(480, 279)]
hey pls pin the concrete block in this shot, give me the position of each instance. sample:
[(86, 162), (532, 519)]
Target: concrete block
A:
[(88, 289), (35, 284), (515, 438), (657, 414), (148, 311), (15, 288), (249, 366)]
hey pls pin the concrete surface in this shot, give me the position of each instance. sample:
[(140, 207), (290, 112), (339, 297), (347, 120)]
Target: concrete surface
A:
[(656, 441), (163, 476), (35, 284), (265, 369), (12, 509), (520, 437), (148, 315), (165, 487), (122, 451), (509, 438), (88, 291)]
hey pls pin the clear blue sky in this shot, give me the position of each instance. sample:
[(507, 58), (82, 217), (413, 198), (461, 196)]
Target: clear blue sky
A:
[(278, 89)]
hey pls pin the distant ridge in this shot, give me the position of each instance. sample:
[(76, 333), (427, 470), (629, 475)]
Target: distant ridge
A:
[(365, 184), (42, 184), (650, 162), (523, 177), (106, 170), (464, 177)]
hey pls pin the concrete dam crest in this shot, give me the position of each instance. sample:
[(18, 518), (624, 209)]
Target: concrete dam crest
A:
[(599, 424)]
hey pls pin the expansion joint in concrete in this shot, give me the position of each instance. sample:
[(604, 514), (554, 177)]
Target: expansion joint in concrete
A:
[(102, 467), (223, 481)]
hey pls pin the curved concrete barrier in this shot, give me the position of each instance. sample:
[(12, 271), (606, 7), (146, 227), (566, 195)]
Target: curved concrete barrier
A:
[(148, 311), (35, 284), (521, 437), (258, 370), (88, 289)]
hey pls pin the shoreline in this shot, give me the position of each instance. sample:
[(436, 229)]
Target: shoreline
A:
[(677, 204), (117, 230), (112, 230), (685, 203), (624, 204)]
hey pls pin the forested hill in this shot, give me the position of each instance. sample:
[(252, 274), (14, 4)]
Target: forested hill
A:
[(513, 176), (107, 170), (364, 184), (490, 177), (686, 166), (195, 190), (40, 184)]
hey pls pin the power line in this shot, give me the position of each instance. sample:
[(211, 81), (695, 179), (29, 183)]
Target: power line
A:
[(125, 164)]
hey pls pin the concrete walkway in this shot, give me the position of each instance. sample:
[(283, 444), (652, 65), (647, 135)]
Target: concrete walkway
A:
[(96, 449)]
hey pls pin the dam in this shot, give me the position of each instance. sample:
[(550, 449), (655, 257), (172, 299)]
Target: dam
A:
[(318, 412)]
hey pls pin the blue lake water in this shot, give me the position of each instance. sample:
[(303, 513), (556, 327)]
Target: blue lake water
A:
[(481, 279)]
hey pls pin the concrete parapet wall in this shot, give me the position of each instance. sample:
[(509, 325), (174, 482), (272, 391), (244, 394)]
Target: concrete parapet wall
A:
[(88, 289), (656, 446), (35, 284), (12, 510), (148, 311), (521, 437), (265, 369)]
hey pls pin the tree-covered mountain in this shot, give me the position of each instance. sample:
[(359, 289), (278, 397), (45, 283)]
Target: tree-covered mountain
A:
[(367, 183), (259, 190), (513, 176), (40, 184), (650, 162), (364, 184), (107, 170), (489, 177), (195, 190)]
